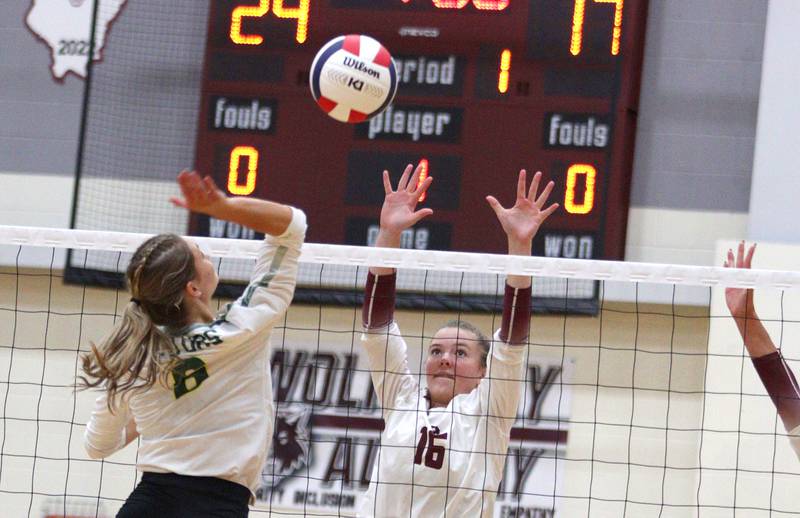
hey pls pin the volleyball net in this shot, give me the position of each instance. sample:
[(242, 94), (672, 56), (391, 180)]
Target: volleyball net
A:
[(651, 407)]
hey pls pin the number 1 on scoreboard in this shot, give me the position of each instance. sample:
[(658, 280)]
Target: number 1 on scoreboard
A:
[(423, 174)]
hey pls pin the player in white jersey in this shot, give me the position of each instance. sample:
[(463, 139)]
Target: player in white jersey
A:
[(443, 448), (778, 379), (194, 386)]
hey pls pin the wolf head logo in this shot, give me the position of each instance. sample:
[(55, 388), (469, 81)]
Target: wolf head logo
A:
[(291, 443)]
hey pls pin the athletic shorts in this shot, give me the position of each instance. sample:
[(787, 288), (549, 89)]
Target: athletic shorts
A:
[(167, 495)]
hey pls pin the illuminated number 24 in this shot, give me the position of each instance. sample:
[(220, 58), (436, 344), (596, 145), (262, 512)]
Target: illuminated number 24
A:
[(484, 5), (237, 154), (300, 13), (588, 193)]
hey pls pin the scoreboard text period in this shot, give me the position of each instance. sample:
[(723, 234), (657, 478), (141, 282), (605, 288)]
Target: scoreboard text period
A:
[(487, 87)]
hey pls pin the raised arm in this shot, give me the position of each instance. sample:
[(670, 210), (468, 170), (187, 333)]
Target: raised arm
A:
[(386, 350), (202, 195), (273, 281), (503, 386), (778, 379), (398, 213), (743, 310), (521, 222)]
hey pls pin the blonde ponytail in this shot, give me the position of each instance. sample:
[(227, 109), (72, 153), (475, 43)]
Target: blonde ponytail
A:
[(137, 353)]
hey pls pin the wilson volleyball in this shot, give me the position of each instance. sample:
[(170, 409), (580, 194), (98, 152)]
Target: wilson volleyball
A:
[(353, 78)]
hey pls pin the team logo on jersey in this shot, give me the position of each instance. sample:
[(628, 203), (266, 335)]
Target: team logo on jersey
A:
[(290, 447)]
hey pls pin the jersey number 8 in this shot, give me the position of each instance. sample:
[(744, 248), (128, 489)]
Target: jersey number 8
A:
[(188, 375)]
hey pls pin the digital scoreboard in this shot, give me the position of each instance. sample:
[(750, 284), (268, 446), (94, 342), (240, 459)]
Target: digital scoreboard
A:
[(486, 88)]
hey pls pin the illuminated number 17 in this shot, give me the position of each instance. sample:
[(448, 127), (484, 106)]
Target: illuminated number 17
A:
[(577, 25), (300, 13), (484, 5)]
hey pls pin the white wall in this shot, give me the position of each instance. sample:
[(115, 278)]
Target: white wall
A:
[(775, 184), (35, 200)]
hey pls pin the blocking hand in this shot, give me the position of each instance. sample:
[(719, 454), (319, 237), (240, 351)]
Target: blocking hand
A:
[(522, 221), (398, 211)]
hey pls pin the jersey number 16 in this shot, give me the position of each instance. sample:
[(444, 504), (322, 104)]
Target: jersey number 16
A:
[(434, 458)]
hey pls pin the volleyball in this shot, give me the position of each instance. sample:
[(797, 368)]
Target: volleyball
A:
[(353, 78)]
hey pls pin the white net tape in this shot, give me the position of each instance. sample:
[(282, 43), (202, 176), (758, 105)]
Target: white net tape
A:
[(457, 262)]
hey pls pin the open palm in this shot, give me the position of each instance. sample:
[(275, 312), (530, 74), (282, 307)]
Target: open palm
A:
[(522, 221), (200, 194), (398, 212), (740, 300)]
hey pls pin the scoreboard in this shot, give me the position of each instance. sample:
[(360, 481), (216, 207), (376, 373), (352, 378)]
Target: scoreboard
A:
[(486, 88)]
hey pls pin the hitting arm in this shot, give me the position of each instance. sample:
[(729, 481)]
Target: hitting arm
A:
[(203, 196), (778, 379)]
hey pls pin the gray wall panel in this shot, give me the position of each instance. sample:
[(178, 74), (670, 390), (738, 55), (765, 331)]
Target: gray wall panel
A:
[(12, 12), (713, 10), (707, 40), (145, 95), (699, 104), (724, 192), (39, 117), (687, 154), (39, 155), (45, 120)]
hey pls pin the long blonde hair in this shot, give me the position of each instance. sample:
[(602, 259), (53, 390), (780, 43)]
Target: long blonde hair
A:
[(136, 354)]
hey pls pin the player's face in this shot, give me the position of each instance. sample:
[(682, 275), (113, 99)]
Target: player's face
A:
[(454, 364), (205, 274)]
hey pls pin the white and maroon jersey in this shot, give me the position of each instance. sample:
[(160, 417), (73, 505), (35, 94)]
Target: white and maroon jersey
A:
[(439, 461), (216, 418)]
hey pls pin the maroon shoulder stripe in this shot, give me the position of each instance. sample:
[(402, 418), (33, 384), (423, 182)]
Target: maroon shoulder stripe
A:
[(516, 315), (379, 299), (781, 386)]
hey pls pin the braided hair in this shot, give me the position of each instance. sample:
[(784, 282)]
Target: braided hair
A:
[(137, 353)]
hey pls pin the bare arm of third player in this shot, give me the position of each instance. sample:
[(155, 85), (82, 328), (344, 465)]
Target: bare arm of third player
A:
[(767, 359)]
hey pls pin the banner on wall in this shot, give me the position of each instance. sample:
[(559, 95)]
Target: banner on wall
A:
[(66, 28), (327, 432)]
